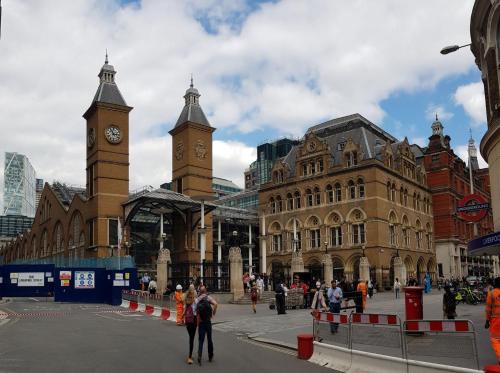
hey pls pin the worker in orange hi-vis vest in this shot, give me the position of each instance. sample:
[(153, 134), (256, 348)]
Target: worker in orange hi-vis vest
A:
[(179, 302), (493, 317), (363, 288)]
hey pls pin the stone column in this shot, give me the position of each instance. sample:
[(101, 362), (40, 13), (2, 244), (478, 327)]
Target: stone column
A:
[(162, 269), (263, 247), (398, 270), (236, 271), (328, 268), (364, 269), (297, 262)]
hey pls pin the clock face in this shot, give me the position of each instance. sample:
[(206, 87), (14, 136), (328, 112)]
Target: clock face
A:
[(91, 137), (113, 134)]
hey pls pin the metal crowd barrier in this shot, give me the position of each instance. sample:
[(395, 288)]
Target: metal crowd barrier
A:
[(451, 342), (445, 342), (144, 297)]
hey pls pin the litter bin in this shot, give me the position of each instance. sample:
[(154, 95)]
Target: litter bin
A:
[(414, 305), (304, 346)]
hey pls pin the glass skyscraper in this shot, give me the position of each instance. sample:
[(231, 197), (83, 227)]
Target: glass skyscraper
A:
[(19, 192)]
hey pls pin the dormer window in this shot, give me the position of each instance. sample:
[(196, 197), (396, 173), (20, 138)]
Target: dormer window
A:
[(341, 146), (352, 159)]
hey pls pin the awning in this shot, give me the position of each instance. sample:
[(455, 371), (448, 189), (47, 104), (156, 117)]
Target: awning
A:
[(485, 245)]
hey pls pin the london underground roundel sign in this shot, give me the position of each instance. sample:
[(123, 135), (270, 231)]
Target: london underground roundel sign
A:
[(472, 207)]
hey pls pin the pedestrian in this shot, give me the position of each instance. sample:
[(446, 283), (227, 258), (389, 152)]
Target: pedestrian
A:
[(189, 318), (206, 307), (397, 287), (253, 297), (280, 299), (370, 289), (363, 288), (493, 316), (179, 303), (145, 282), (318, 301), (260, 286), (449, 304), (246, 280), (427, 283), (335, 299), (152, 287)]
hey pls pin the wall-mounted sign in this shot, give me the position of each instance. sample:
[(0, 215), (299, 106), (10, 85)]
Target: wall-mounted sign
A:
[(485, 245), (29, 279), (84, 279), (64, 282), (64, 275), (472, 207)]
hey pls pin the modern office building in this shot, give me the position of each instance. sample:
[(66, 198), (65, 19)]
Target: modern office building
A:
[(259, 171), (19, 194), (246, 199), (224, 187)]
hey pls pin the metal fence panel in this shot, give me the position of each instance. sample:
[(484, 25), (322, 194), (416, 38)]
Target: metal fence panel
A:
[(449, 342), (331, 328), (377, 333), (215, 275)]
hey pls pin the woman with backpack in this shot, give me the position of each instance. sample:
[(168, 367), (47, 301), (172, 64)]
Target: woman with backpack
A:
[(189, 317)]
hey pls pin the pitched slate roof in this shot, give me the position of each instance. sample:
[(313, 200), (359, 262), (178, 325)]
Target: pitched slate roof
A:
[(192, 111), (108, 91)]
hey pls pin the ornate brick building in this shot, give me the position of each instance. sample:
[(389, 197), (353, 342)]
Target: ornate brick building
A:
[(349, 189), (448, 178)]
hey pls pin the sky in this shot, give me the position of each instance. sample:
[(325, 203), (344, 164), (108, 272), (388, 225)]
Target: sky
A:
[(265, 69)]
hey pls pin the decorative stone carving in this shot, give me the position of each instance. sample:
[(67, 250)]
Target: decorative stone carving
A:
[(364, 269), (162, 269), (164, 256), (179, 150), (236, 272), (200, 150), (327, 262), (297, 262)]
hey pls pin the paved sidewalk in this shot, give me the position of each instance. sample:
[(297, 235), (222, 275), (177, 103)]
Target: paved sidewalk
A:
[(267, 326)]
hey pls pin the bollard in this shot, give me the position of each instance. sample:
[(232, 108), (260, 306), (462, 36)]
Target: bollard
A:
[(305, 346)]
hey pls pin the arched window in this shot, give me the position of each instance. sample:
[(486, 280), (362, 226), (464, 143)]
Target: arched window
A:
[(358, 229), (317, 196), (279, 204), (297, 199), (393, 192), (406, 232), (389, 190), (276, 237), (44, 244), (414, 200), (335, 231), (405, 197), (309, 198), (329, 194), (272, 204), (418, 202), (361, 188), (429, 237), (58, 243), (338, 192), (351, 189), (401, 192), (392, 229), (313, 233), (289, 202), (418, 234)]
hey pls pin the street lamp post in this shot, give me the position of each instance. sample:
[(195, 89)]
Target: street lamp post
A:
[(453, 48)]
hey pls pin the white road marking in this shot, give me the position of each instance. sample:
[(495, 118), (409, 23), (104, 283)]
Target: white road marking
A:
[(3, 322), (130, 315), (36, 300), (111, 318)]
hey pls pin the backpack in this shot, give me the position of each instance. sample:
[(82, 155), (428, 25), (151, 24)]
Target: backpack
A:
[(204, 309), (189, 314)]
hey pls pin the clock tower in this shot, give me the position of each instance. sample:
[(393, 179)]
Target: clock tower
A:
[(107, 162), (192, 171)]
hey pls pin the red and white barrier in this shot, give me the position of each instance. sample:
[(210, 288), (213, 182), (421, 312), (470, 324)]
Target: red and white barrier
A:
[(133, 305), (331, 317), (149, 309), (367, 318), (439, 326)]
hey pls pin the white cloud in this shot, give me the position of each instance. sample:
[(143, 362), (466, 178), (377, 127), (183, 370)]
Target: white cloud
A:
[(462, 152), (439, 110), (288, 65), (231, 158), (420, 141), (471, 98)]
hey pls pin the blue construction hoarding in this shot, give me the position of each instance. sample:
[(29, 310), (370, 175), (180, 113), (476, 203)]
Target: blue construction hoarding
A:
[(79, 285)]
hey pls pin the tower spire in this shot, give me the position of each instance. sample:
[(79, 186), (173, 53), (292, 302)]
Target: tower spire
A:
[(191, 85), (106, 60)]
